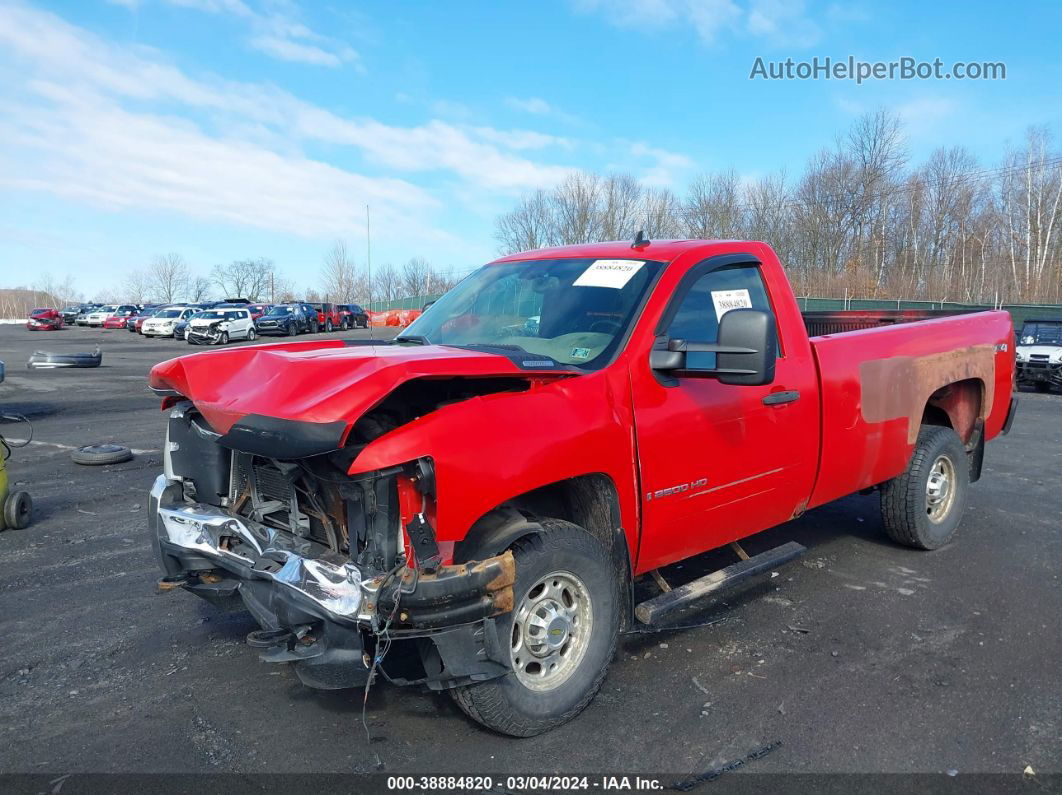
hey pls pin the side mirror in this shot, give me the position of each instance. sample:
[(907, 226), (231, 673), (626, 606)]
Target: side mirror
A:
[(745, 354), (755, 332)]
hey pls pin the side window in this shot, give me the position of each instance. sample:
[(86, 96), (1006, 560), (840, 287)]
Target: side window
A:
[(710, 297)]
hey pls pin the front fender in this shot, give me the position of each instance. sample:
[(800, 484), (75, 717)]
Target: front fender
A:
[(490, 449)]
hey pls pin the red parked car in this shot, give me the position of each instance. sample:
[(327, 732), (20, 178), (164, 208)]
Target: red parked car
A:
[(45, 319), (488, 486), (329, 318), (257, 310), (119, 319)]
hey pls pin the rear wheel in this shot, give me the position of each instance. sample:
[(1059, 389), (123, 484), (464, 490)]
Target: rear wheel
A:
[(922, 507), (328, 325), (561, 635), (250, 335)]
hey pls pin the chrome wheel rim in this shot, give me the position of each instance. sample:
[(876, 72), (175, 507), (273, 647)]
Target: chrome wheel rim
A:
[(940, 489), (551, 631)]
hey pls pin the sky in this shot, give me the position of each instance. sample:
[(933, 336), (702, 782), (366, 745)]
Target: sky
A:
[(232, 129)]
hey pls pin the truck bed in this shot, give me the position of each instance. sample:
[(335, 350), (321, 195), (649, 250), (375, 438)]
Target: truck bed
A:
[(822, 323), (878, 371)]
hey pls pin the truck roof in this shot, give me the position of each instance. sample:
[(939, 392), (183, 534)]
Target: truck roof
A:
[(662, 250)]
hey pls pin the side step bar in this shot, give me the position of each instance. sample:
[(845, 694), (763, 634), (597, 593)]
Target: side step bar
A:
[(655, 610)]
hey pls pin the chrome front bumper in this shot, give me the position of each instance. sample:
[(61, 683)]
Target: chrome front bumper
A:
[(206, 537)]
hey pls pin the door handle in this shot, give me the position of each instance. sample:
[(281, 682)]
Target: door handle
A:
[(778, 398)]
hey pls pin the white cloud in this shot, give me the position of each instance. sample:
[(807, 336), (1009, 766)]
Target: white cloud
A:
[(537, 106), (665, 168), (534, 105), (278, 33), (114, 127), (778, 22)]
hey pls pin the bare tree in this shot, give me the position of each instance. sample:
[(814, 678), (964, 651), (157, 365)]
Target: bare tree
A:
[(198, 289), (137, 287), (386, 283), (245, 278), (342, 280), (167, 277)]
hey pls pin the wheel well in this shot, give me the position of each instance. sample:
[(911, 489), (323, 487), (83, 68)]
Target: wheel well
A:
[(589, 501), (956, 406)]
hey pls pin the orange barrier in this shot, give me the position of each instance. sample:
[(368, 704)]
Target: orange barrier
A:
[(394, 317)]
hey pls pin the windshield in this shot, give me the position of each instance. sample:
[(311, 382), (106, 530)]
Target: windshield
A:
[(169, 313), (1041, 334), (280, 310), (212, 315), (574, 311)]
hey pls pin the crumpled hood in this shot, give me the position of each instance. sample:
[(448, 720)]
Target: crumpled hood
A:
[(321, 382)]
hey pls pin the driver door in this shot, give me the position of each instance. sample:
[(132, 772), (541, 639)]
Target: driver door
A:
[(719, 462)]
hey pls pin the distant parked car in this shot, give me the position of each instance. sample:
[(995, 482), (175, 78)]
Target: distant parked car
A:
[(218, 326), (70, 314), (135, 323), (257, 311), (180, 330), (97, 317), (45, 319), (328, 317), (288, 319), (352, 316), (120, 318), (85, 311), (162, 323)]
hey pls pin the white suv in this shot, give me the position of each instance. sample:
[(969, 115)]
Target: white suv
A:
[(218, 326), (162, 322)]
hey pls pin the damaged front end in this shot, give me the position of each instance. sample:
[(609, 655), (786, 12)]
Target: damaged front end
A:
[(205, 334), (334, 568)]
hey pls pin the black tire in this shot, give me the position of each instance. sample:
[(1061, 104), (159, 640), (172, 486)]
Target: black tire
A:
[(251, 335), (224, 338), (328, 325), (99, 454), (18, 510), (344, 324), (506, 704), (292, 331), (1042, 386), (907, 510)]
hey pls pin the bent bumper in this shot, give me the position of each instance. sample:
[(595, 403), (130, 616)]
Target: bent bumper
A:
[(318, 609)]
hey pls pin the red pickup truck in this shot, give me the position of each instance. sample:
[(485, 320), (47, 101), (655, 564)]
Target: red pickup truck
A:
[(468, 505)]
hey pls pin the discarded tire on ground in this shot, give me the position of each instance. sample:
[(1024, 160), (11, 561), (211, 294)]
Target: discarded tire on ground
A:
[(99, 454), (18, 510), (42, 360)]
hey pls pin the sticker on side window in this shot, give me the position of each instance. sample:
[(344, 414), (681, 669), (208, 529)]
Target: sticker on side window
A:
[(725, 300), (614, 273)]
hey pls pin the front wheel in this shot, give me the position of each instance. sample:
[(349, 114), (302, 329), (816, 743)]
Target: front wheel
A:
[(561, 634), (328, 325), (224, 338), (292, 331), (922, 507)]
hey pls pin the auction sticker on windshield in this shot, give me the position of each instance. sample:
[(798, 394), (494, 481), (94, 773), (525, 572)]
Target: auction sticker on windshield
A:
[(725, 300), (613, 273)]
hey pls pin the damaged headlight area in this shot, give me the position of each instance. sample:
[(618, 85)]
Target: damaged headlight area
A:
[(332, 567), (206, 334)]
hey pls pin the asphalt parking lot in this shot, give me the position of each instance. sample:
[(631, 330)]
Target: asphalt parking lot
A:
[(860, 657)]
